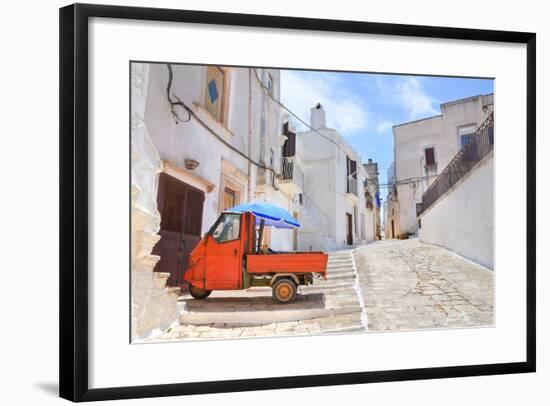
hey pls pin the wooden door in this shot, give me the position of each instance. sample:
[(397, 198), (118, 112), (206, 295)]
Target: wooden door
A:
[(349, 237), (181, 207)]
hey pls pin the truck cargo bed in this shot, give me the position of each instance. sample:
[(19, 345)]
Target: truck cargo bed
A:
[(296, 262)]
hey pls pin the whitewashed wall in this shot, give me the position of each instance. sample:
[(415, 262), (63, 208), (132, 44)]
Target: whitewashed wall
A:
[(462, 220), (153, 305), (326, 200), (176, 141)]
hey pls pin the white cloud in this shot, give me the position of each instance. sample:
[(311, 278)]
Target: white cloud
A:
[(383, 126), (300, 91), (413, 98)]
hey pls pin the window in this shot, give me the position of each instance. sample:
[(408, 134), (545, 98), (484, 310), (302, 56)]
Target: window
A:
[(289, 147), (465, 139), (351, 178), (227, 228), (229, 198), (352, 167), (418, 209), (429, 155), (466, 133), (215, 92)]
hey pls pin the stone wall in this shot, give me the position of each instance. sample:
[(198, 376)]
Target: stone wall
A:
[(462, 220), (153, 305)]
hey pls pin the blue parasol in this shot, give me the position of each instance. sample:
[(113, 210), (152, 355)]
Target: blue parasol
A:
[(272, 215)]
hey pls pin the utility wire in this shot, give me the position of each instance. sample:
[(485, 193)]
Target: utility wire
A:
[(196, 117), (290, 111), (339, 145), (207, 127), (191, 113)]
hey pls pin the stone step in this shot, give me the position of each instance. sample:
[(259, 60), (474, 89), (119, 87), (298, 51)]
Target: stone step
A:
[(343, 289), (340, 265), (338, 276), (332, 274), (340, 258), (258, 318), (332, 265), (340, 261), (330, 285), (335, 272), (351, 329), (340, 268)]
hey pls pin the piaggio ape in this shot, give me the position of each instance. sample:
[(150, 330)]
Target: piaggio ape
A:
[(230, 256)]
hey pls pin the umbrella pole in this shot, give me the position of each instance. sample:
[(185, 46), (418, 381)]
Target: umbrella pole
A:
[(260, 235)]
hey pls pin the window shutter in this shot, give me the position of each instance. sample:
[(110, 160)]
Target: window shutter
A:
[(289, 147), (229, 197), (430, 156), (215, 87), (353, 168)]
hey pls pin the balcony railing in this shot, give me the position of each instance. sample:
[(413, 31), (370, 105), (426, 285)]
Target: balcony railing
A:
[(291, 175), (479, 146), (351, 186)]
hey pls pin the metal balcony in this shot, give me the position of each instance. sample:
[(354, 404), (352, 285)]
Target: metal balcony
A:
[(291, 178)]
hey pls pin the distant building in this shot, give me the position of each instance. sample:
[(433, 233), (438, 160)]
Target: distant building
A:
[(333, 206), (372, 201), (391, 206), (422, 149)]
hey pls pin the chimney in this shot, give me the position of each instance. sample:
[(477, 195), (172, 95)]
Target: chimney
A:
[(318, 117)]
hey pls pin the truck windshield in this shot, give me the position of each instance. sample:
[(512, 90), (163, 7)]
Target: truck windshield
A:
[(227, 228)]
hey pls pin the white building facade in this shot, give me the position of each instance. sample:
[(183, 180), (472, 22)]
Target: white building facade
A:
[(333, 207), (372, 201), (214, 138), (422, 149), (391, 206)]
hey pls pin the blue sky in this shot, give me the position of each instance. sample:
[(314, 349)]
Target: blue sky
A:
[(363, 107)]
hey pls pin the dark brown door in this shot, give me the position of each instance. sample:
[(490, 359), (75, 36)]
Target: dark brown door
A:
[(392, 230), (349, 238), (180, 207)]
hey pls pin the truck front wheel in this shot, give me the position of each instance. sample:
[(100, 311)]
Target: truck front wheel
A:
[(284, 291), (199, 293)]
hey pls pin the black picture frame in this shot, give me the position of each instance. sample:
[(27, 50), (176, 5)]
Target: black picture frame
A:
[(73, 254)]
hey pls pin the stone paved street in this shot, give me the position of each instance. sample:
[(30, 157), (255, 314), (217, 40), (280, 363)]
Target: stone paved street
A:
[(386, 285), (409, 285)]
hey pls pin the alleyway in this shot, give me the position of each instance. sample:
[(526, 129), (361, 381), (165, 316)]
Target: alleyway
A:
[(409, 285), (386, 285)]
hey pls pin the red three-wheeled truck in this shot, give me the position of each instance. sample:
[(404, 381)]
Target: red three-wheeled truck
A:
[(231, 257)]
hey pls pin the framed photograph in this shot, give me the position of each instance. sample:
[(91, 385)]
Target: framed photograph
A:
[(254, 202)]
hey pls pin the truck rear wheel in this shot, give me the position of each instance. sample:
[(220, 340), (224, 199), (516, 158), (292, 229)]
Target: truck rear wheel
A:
[(284, 291), (199, 293)]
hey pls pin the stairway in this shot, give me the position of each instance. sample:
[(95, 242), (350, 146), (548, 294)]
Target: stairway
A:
[(341, 289), (327, 306)]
